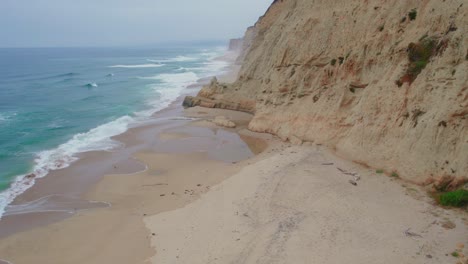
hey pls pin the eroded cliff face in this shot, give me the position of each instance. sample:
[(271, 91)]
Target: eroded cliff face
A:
[(382, 82)]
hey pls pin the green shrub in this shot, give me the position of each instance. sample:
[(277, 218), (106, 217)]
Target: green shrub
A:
[(423, 50), (417, 67), (341, 59), (458, 198), (395, 175), (419, 55), (379, 171), (333, 62), (347, 55), (412, 14), (455, 254)]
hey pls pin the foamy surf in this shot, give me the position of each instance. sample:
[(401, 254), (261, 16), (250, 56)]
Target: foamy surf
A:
[(169, 88), (175, 59), (91, 85), (4, 117), (54, 203), (98, 138), (148, 65)]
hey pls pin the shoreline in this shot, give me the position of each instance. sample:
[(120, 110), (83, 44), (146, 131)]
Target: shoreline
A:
[(163, 186), (69, 185), (49, 161)]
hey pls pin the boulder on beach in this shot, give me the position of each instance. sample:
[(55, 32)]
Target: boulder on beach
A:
[(224, 121)]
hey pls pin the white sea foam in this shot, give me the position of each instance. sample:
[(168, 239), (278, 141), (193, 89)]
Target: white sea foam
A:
[(175, 59), (91, 85), (148, 65), (98, 138), (170, 87), (6, 116), (174, 79), (214, 67), (210, 68), (54, 203)]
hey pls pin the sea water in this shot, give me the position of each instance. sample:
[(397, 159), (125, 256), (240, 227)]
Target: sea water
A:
[(58, 102)]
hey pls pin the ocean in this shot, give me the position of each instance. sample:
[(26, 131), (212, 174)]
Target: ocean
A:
[(58, 102)]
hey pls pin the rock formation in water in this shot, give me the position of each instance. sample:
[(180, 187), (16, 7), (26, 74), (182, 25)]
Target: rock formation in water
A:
[(384, 83)]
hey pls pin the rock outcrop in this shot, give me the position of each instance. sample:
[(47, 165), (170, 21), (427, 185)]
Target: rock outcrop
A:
[(212, 96), (384, 83), (224, 122)]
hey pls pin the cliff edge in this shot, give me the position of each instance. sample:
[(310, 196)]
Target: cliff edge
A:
[(383, 83)]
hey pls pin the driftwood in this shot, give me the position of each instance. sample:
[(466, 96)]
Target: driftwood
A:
[(353, 174), (411, 234), (156, 184)]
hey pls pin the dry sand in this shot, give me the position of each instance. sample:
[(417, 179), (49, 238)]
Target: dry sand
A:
[(288, 206)]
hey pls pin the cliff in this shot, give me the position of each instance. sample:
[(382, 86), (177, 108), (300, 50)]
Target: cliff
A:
[(383, 83)]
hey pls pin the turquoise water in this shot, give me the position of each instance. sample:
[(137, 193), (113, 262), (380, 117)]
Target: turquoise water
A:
[(57, 102)]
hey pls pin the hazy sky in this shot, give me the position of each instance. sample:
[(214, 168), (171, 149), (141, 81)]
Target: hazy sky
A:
[(39, 23)]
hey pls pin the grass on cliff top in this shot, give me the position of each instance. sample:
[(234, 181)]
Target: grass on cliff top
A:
[(458, 198)]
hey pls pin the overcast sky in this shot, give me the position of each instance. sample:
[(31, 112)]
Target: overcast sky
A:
[(49, 23)]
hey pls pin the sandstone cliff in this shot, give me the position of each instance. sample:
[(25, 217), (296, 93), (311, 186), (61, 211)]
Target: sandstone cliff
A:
[(384, 83)]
